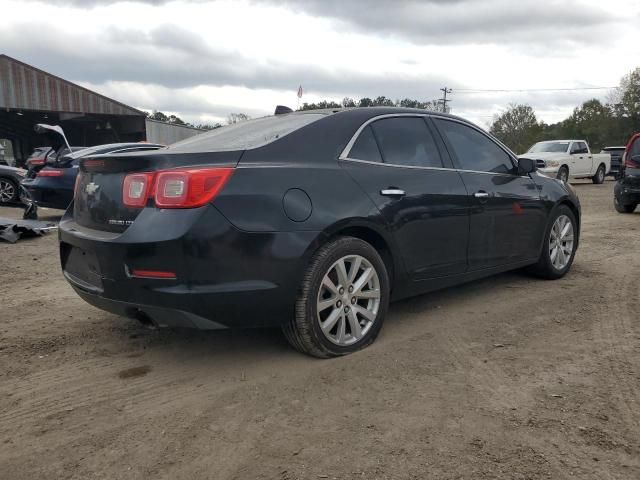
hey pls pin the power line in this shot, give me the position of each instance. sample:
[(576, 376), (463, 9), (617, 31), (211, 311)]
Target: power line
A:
[(480, 90)]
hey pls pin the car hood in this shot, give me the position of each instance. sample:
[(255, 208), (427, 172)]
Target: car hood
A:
[(542, 155), (18, 172)]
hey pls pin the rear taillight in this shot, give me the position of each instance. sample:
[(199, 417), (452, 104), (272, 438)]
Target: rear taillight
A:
[(36, 161), (136, 189), (180, 188), (50, 173), (189, 188)]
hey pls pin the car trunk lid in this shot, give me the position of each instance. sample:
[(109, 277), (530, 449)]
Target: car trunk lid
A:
[(98, 200)]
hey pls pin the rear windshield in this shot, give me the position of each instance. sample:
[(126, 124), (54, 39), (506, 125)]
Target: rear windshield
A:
[(247, 134)]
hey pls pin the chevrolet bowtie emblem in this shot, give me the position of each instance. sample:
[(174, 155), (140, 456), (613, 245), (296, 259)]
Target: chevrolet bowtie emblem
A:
[(91, 188)]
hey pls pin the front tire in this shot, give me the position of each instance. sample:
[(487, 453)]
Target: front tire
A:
[(563, 174), (623, 208), (598, 178), (9, 191), (342, 302), (560, 245)]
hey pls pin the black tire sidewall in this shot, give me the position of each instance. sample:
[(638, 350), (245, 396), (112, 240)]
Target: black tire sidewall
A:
[(330, 254)]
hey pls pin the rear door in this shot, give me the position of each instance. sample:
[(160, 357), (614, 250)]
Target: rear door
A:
[(507, 216), (397, 160)]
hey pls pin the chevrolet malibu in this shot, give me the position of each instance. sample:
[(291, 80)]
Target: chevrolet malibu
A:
[(311, 221)]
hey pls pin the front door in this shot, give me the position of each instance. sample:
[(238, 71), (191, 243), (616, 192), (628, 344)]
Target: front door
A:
[(397, 162), (507, 218)]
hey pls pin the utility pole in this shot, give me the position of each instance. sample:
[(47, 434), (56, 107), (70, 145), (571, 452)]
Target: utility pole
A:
[(444, 100)]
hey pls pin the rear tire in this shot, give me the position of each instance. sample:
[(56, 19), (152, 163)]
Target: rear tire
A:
[(9, 191), (598, 178), (559, 248), (622, 208), (563, 174), (342, 302)]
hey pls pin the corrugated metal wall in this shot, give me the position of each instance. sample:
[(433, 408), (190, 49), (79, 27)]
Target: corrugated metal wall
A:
[(25, 87), (166, 133)]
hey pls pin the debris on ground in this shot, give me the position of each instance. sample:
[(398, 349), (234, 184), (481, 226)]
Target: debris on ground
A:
[(11, 230)]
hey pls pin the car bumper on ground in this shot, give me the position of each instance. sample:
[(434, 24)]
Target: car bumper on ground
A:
[(224, 277)]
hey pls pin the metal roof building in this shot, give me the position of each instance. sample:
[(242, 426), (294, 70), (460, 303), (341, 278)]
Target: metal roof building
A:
[(29, 96)]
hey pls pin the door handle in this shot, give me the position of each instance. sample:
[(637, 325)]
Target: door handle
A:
[(392, 192), (481, 194)]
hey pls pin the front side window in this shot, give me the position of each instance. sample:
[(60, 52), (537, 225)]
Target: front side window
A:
[(474, 150), (406, 141)]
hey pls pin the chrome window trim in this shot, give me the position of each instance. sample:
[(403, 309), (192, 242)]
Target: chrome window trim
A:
[(344, 156)]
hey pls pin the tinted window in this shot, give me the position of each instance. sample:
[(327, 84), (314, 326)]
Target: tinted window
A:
[(247, 134), (406, 141), (366, 147), (474, 150)]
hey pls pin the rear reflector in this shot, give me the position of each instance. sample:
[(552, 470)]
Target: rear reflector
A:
[(136, 188), (50, 173), (180, 188), (152, 274), (36, 161)]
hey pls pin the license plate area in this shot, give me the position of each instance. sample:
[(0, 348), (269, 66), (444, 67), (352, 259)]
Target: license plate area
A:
[(82, 265)]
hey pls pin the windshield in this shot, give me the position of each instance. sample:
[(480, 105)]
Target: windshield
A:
[(544, 147), (247, 134)]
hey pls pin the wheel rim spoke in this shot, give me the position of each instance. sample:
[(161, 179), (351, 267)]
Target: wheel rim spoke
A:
[(356, 329), (341, 270), (363, 279), (331, 320), (367, 294)]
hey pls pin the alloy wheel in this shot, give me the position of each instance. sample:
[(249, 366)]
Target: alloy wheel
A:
[(561, 242), (7, 191), (600, 175), (348, 300)]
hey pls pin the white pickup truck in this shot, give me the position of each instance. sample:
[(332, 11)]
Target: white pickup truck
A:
[(566, 159)]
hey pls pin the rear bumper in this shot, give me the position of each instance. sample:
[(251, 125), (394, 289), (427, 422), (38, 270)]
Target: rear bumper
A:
[(224, 277), (59, 198), (627, 188)]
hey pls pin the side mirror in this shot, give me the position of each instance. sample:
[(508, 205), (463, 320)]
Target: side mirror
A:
[(526, 166)]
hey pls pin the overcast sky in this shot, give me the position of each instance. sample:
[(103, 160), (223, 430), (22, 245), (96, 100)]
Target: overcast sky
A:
[(204, 60)]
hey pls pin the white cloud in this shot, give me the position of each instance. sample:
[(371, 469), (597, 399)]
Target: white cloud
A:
[(203, 60)]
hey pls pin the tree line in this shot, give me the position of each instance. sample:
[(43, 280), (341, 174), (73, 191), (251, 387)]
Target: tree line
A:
[(600, 124), (162, 117)]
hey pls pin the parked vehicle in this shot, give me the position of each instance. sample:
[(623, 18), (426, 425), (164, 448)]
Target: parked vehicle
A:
[(312, 221), (616, 159), (565, 159), (38, 157), (10, 178), (626, 192), (52, 186)]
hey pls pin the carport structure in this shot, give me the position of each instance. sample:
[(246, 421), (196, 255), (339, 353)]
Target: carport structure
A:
[(29, 96)]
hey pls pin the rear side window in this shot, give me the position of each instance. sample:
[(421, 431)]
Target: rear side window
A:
[(473, 150), (246, 135), (366, 147), (406, 141)]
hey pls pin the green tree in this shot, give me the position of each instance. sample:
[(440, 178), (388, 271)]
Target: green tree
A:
[(517, 127), (592, 121)]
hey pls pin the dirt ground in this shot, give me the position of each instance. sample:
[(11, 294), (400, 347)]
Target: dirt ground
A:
[(510, 377)]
